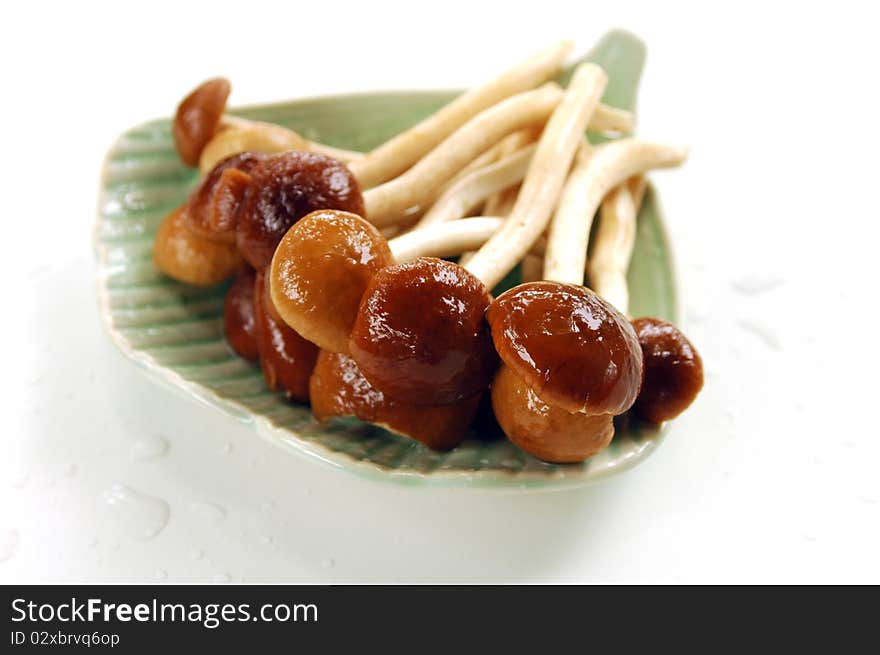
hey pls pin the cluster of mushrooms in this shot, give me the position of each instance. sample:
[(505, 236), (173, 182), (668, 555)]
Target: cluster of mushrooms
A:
[(341, 292)]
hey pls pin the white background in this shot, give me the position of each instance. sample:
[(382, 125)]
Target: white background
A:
[(772, 475)]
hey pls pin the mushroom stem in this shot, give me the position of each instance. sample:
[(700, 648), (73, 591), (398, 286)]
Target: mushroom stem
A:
[(242, 135), (614, 241), (397, 155), (544, 179), (501, 203), (596, 172), (419, 185), (464, 196), (444, 239)]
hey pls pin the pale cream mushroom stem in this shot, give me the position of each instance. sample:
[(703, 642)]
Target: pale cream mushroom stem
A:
[(242, 135), (544, 179), (392, 201), (614, 241), (397, 155), (473, 189), (596, 172)]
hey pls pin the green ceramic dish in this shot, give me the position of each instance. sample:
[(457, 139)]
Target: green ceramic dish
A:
[(175, 331)]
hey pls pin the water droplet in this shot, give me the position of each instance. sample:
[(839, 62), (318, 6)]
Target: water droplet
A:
[(210, 511), (268, 506), (225, 449), (753, 283), (137, 514), (763, 332), (93, 542), (222, 578), (70, 470), (149, 447), (328, 563), (306, 491), (161, 574), (266, 539), (8, 543), (196, 554)]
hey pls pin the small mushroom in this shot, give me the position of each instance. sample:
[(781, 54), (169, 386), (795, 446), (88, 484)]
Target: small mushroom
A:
[(338, 388), (187, 257), (284, 188), (212, 207), (572, 351), (200, 125), (673, 371), (420, 334), (198, 118), (286, 358), (239, 320)]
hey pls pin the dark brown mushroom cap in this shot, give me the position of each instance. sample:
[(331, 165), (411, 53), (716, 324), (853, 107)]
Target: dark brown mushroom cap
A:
[(198, 117), (286, 358), (212, 207), (673, 370), (190, 258), (572, 347), (239, 321), (543, 430), (320, 271), (420, 335), (338, 388), (284, 188)]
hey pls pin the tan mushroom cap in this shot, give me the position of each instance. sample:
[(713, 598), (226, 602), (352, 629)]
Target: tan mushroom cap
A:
[(568, 344), (198, 117), (543, 430), (190, 258), (338, 388), (320, 271)]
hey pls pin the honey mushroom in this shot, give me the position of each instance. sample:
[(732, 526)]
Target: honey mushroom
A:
[(570, 360), (420, 335), (187, 257), (200, 124), (673, 369)]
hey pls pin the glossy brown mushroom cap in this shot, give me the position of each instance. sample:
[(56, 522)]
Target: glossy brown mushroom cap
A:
[(212, 207), (320, 271), (420, 335), (543, 430), (190, 258), (239, 321), (286, 358), (284, 188), (198, 117), (572, 347), (673, 370), (338, 388)]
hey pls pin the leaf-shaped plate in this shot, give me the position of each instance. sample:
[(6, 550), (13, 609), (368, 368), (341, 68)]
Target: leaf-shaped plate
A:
[(175, 331)]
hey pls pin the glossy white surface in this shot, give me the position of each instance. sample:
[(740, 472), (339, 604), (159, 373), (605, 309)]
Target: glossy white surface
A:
[(770, 477)]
